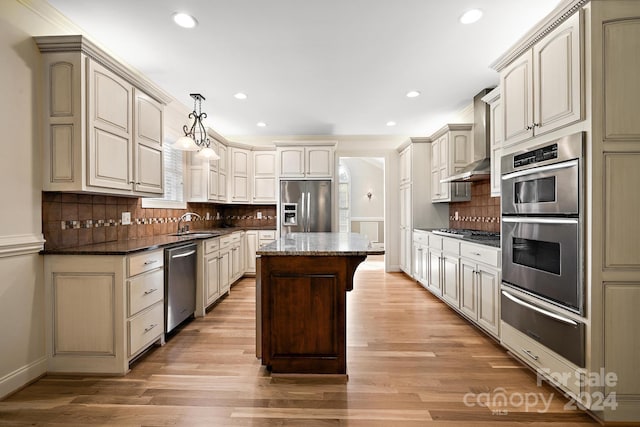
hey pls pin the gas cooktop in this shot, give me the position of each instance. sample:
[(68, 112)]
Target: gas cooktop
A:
[(462, 233)]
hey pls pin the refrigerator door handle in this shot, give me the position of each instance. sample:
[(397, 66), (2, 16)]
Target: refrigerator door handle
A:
[(308, 211), (303, 216)]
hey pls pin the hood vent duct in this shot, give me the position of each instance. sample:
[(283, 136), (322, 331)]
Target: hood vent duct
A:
[(480, 169)]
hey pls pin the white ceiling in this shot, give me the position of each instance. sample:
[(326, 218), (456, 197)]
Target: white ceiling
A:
[(324, 67)]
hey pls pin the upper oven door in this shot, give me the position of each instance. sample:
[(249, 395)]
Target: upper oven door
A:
[(540, 255), (550, 189)]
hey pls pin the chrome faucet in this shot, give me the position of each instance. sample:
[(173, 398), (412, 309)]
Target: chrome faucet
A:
[(185, 229)]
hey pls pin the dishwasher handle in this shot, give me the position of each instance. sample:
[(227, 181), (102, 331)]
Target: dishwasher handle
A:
[(183, 255)]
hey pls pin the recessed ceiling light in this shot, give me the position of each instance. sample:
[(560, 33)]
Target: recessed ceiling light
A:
[(471, 16), (261, 124), (184, 20), (413, 94), (391, 123), (240, 95)]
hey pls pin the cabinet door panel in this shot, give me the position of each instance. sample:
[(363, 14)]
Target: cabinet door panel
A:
[(149, 167), (319, 162), (84, 313), (517, 99), (291, 162), (450, 285), (212, 277), (557, 66), (468, 294), (109, 160), (435, 278), (488, 299)]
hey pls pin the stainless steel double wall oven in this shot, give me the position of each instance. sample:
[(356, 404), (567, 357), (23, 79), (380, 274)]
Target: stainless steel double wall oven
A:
[(542, 243)]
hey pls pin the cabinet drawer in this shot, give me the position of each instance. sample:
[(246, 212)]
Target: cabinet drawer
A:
[(479, 253), (267, 235), (211, 245), (235, 237), (144, 261), (145, 328), (542, 359), (435, 241), (420, 237), (225, 241), (144, 290), (451, 246)]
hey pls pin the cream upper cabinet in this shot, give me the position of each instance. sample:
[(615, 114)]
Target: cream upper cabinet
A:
[(148, 136), (542, 89), (313, 161), (451, 150), (495, 118), (240, 162), (264, 176), (103, 125)]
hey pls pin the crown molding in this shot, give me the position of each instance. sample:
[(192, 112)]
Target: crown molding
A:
[(80, 43), (560, 14)]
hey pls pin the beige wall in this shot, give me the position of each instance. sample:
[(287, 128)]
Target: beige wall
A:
[(21, 287)]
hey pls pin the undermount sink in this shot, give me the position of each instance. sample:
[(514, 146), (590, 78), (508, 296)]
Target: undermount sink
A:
[(196, 235)]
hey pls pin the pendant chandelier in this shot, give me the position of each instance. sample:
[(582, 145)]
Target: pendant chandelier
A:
[(195, 137)]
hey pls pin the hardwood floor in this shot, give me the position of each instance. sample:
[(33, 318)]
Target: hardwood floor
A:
[(411, 362)]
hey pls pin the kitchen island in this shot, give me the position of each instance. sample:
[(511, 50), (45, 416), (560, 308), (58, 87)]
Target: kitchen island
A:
[(302, 281)]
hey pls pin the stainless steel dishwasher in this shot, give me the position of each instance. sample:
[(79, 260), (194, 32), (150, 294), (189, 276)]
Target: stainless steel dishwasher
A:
[(180, 284)]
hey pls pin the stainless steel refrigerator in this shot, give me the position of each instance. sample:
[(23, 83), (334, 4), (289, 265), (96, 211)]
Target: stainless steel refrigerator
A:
[(305, 206)]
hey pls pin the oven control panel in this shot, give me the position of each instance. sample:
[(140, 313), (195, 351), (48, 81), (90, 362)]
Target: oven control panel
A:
[(543, 154)]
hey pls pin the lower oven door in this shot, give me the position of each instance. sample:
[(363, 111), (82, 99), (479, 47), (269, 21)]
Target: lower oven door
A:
[(542, 256)]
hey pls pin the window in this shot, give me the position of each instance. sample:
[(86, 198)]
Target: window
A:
[(173, 182), (343, 199)]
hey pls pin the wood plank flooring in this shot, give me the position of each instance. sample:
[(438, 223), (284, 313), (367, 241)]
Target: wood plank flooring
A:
[(411, 362)]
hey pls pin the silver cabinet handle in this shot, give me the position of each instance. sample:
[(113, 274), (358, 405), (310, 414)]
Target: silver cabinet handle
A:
[(150, 327), (153, 261), (150, 291), (184, 254), (537, 220), (530, 354), (308, 211)]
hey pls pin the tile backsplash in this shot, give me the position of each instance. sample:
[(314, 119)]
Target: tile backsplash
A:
[(81, 219), (482, 212)]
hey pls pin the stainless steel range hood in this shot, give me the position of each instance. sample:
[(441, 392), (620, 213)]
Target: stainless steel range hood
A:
[(480, 169)]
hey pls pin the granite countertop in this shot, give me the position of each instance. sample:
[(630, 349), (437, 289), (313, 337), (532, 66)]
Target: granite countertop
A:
[(147, 243), (319, 244)]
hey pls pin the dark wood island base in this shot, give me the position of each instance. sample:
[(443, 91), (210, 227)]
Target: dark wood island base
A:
[(303, 305), (301, 301)]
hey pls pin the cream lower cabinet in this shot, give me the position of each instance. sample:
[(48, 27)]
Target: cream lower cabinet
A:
[(480, 285), (225, 266), (102, 311), (236, 260), (255, 240), (420, 256), (467, 277), (443, 261)]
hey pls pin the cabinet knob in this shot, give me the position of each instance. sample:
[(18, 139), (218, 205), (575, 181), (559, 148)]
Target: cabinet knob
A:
[(529, 128), (536, 125)]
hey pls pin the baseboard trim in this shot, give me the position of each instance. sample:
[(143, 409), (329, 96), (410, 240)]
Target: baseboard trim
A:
[(22, 377)]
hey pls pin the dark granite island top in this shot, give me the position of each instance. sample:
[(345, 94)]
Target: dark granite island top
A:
[(302, 281)]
